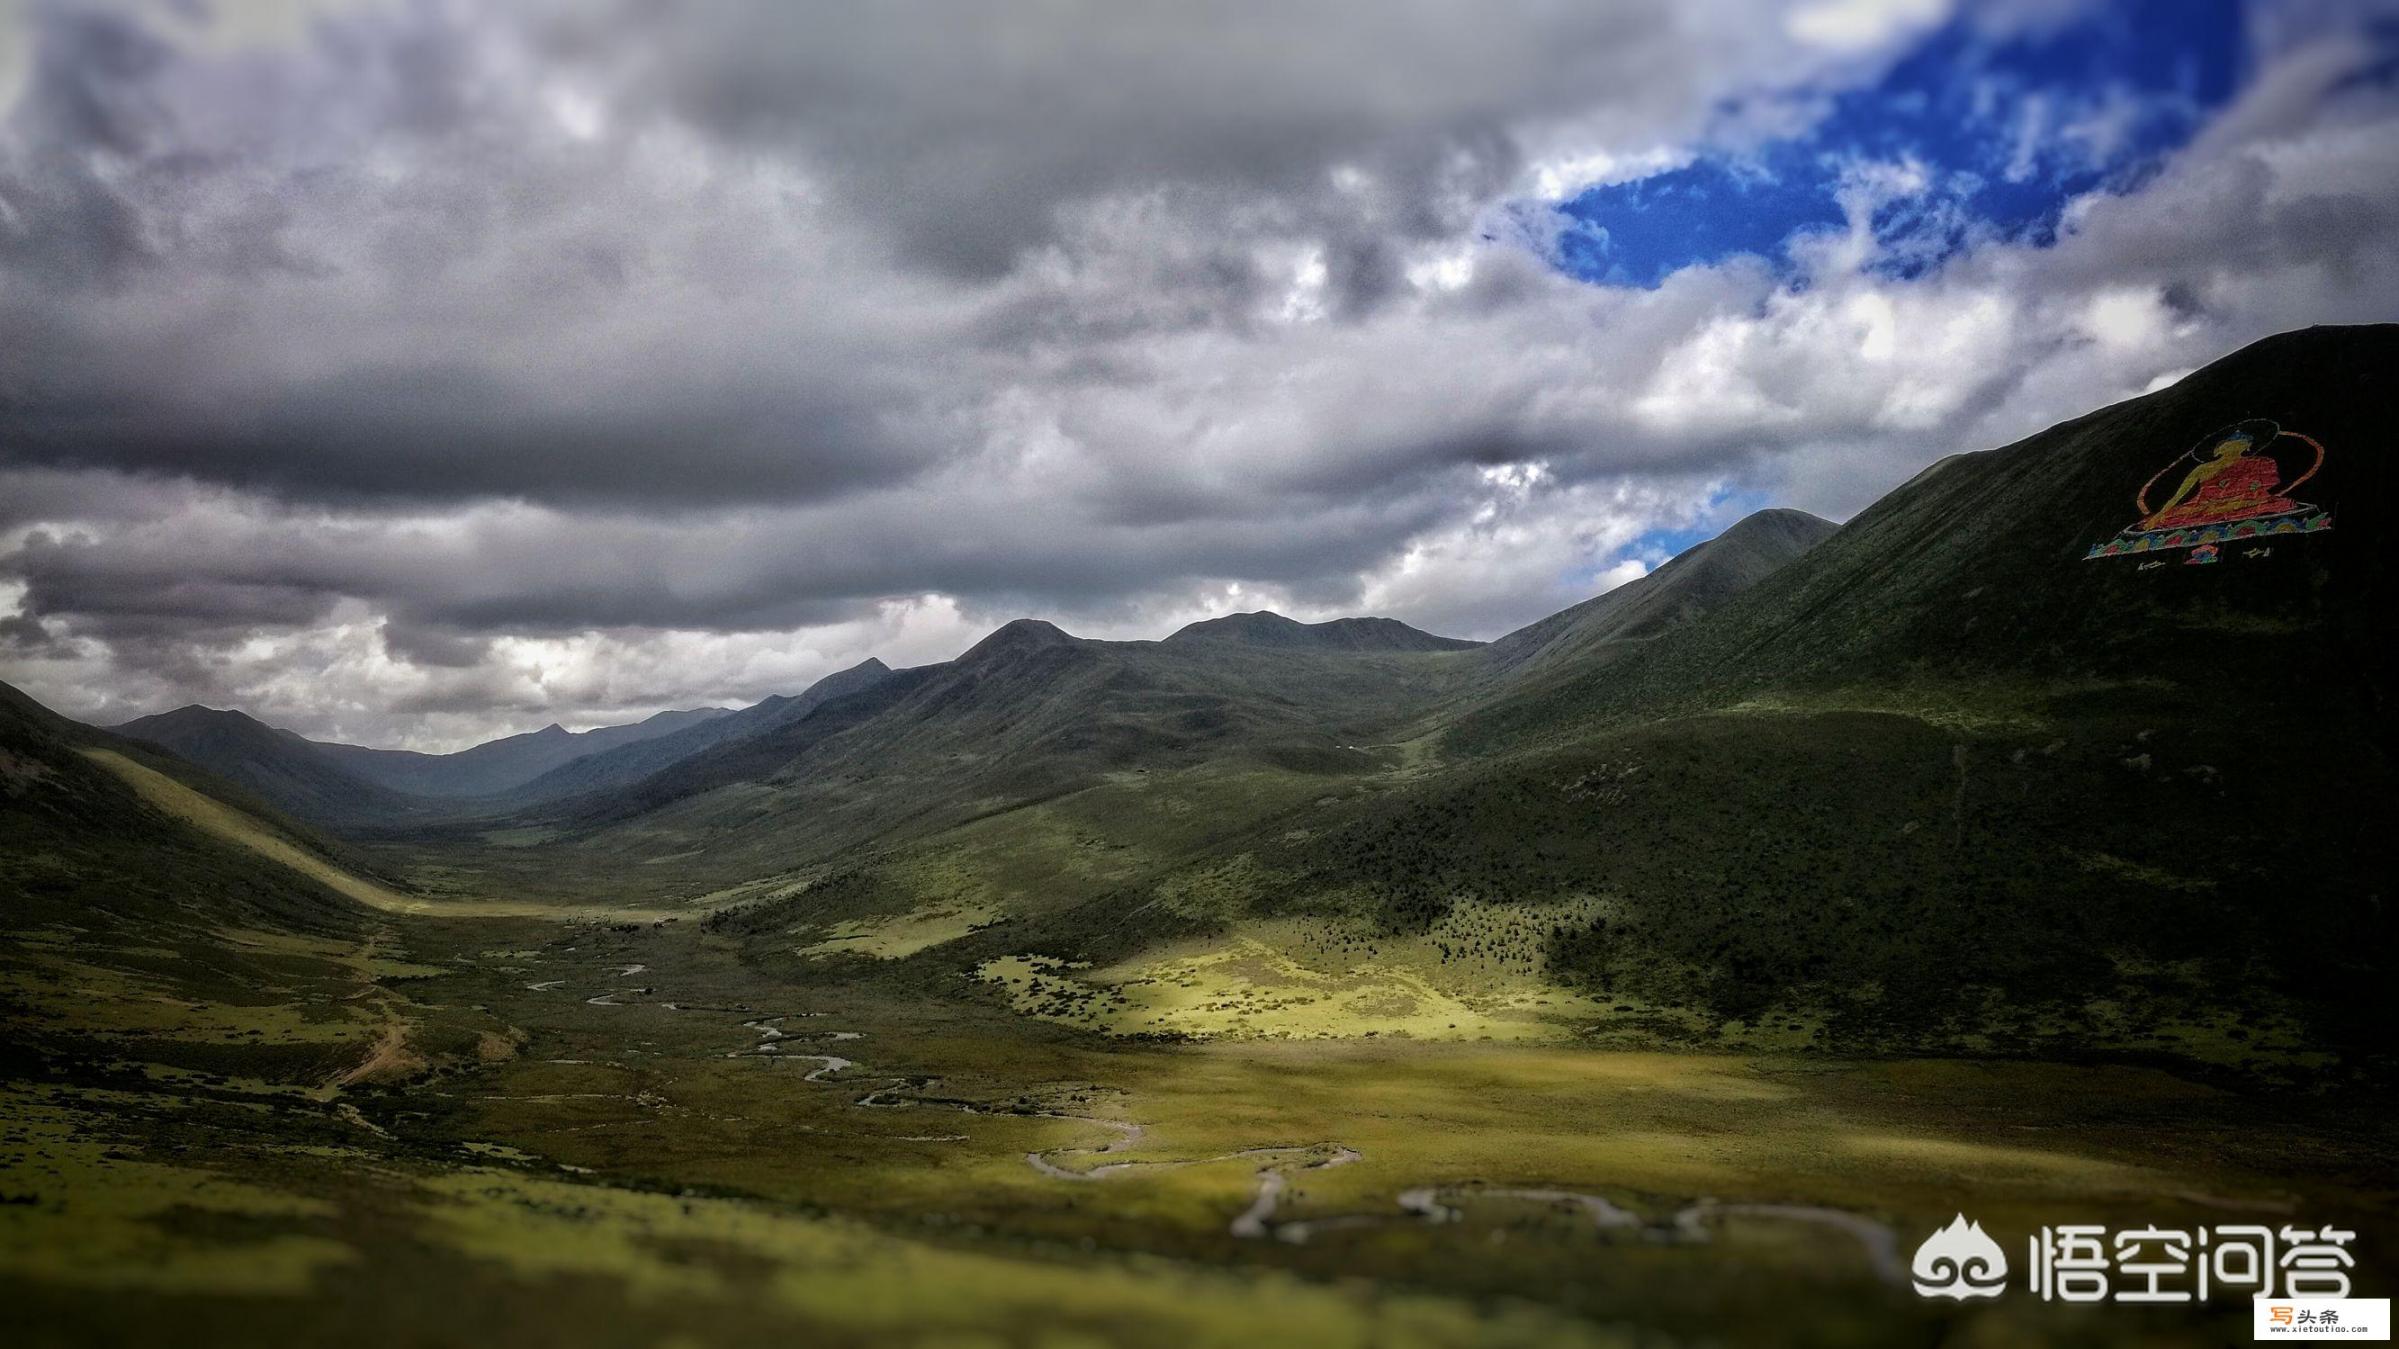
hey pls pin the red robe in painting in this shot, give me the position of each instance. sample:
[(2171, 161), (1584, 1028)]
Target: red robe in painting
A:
[(2244, 490)]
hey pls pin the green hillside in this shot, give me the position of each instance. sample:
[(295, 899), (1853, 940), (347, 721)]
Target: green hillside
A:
[(627, 764), (1946, 781), (1686, 588), (301, 779), (1029, 715), (1940, 782), (511, 762), (81, 848), (1976, 570)]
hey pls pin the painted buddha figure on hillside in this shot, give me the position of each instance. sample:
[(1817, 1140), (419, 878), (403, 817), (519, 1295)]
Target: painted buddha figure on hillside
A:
[(2233, 480), (2235, 484)]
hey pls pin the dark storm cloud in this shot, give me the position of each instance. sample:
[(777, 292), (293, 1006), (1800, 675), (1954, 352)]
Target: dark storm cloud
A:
[(386, 263), (446, 582), (966, 127), (451, 431), (431, 644), (385, 271)]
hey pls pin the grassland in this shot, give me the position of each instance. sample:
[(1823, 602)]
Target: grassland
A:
[(640, 1159)]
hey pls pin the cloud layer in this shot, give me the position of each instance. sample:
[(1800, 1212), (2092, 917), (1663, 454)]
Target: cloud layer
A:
[(416, 372)]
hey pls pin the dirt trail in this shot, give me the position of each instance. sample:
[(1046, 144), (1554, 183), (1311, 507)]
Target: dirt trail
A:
[(391, 1059)]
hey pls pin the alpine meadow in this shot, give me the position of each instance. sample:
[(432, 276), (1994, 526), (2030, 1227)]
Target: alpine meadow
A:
[(1379, 675)]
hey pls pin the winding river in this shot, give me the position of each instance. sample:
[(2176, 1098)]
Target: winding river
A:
[(1436, 1204)]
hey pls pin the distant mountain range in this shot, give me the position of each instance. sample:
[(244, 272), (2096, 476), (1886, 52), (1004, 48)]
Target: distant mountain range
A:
[(305, 779), (503, 765), (1030, 702), (328, 781), (342, 786), (1261, 679), (630, 763)]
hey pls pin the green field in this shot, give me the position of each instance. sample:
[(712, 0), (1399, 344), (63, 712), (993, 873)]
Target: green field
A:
[(592, 1136)]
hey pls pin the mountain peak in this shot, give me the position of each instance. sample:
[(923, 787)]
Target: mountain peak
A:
[(1023, 634), (1264, 627), (1783, 518), (1687, 586), (190, 717), (1765, 538)]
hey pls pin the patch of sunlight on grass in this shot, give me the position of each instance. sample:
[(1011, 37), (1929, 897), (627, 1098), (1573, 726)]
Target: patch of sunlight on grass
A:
[(1991, 1161), (1248, 988), (893, 936)]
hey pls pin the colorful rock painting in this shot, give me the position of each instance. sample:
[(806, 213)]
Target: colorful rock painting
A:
[(2235, 484)]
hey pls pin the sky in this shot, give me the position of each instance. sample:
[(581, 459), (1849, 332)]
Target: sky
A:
[(411, 372)]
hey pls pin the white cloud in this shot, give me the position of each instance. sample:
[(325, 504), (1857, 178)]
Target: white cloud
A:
[(1857, 25)]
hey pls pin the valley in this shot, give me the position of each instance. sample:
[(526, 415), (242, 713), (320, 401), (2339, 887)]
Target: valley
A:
[(1661, 973)]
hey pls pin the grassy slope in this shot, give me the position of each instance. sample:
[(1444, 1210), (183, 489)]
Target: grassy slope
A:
[(250, 834), (1030, 715), (1942, 782), (79, 845), (301, 779), (626, 765), (1691, 585), (1975, 571), (1942, 779), (158, 921)]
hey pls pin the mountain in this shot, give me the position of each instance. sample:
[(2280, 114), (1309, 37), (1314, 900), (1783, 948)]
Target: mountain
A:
[(630, 763), (296, 776), (1030, 713), (1954, 777), (351, 787), (81, 850), (1977, 570), (1690, 585), (1266, 628), (498, 766), (1959, 774), (1971, 770)]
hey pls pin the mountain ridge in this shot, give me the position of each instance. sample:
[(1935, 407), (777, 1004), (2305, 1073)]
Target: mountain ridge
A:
[(504, 764), (1683, 588), (297, 775), (624, 765), (1978, 564), (1264, 627)]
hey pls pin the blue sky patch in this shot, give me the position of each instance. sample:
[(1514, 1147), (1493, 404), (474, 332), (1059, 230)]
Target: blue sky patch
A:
[(1966, 137)]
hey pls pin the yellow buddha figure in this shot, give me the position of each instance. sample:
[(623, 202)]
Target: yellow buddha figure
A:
[(2231, 481), (2235, 484)]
